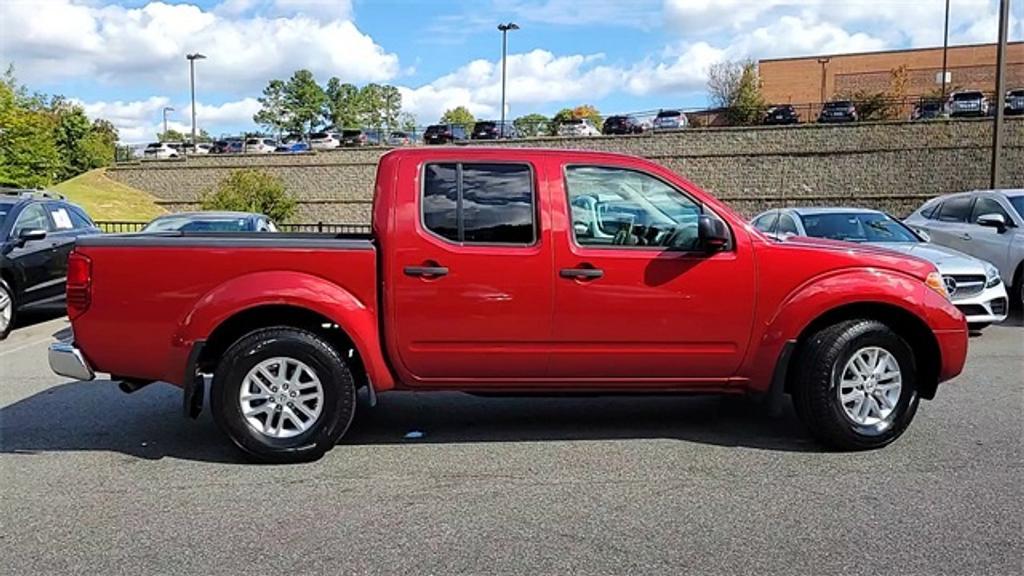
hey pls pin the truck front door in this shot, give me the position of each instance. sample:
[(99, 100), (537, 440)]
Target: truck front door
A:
[(468, 274), (636, 299)]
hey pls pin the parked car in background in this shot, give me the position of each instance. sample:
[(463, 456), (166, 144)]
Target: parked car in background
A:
[(325, 140), (260, 145), (986, 224), (781, 115), (618, 125), (227, 146), (838, 111), (444, 134), (359, 137), (478, 277), (212, 221), (37, 232), (399, 138), (670, 120), (291, 147), (492, 130), (928, 110), (159, 151), (1014, 102), (973, 284), (968, 103), (578, 127)]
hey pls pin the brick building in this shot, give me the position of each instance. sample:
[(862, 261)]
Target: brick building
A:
[(808, 80)]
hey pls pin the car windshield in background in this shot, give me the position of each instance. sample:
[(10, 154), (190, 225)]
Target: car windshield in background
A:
[(844, 104), (198, 225), (435, 129), (350, 133), (1018, 204), (855, 227), (669, 114), (959, 97), (1016, 94), (319, 136)]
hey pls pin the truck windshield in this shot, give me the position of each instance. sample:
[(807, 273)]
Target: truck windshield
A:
[(855, 227)]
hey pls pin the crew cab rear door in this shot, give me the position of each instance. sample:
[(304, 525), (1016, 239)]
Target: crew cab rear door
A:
[(468, 273), (627, 307)]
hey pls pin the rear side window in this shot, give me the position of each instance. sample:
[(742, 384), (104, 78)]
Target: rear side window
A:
[(766, 223), (988, 206), (480, 203), (787, 226), (929, 210), (956, 209)]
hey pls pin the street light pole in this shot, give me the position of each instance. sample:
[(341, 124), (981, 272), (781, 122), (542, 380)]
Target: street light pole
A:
[(997, 128), (945, 54), (192, 86), (504, 28), (166, 110)]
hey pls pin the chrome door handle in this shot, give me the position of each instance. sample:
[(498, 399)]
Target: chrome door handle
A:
[(965, 236)]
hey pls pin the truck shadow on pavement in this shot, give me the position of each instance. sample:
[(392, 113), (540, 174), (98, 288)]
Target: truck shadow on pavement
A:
[(96, 416)]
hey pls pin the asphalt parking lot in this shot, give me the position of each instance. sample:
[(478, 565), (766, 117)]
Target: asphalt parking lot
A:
[(98, 482)]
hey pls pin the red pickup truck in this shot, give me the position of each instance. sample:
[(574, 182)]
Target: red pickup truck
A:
[(512, 271)]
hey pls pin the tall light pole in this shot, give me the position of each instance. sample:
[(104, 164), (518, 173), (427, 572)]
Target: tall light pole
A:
[(166, 110), (192, 85), (945, 55), (997, 128), (504, 28)]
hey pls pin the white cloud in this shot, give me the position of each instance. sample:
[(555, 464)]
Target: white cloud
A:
[(61, 39), (226, 114), (141, 120)]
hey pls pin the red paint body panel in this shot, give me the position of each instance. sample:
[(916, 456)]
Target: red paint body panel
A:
[(503, 318)]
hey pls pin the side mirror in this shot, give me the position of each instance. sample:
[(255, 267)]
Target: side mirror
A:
[(712, 233), (31, 235), (996, 221)]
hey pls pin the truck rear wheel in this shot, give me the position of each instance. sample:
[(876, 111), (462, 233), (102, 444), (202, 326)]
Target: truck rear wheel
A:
[(283, 395), (856, 386)]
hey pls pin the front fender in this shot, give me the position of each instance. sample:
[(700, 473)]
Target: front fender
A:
[(819, 296), (356, 318)]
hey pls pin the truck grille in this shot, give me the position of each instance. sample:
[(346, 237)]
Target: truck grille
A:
[(963, 286)]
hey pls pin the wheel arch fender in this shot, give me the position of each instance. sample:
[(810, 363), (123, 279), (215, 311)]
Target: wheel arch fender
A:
[(287, 289)]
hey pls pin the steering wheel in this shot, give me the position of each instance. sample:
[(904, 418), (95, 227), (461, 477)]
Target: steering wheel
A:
[(624, 236)]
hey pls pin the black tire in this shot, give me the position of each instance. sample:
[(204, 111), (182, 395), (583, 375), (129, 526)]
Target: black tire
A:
[(979, 326), (6, 292), (821, 360), (339, 393)]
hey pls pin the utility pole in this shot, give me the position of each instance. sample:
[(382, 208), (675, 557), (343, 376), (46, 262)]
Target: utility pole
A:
[(192, 86), (997, 128), (166, 110), (945, 55), (504, 28)]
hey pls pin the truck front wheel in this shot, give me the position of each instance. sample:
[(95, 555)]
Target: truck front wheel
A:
[(855, 386), (283, 395)]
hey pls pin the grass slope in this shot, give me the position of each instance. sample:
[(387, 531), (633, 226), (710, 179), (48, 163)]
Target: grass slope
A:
[(106, 199)]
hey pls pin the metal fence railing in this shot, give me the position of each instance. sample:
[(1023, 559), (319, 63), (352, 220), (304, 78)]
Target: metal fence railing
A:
[(123, 226)]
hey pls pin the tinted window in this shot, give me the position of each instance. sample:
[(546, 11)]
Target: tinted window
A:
[(787, 225), (32, 217), (959, 97), (620, 207), (351, 133), (494, 204), (988, 206), (929, 210), (669, 114), (1016, 201), (955, 209), (859, 227), (5, 208)]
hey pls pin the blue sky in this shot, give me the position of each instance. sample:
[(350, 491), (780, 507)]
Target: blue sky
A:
[(124, 60)]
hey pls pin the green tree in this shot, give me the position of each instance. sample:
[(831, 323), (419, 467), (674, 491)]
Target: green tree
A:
[(28, 151), (558, 119), (459, 115), (72, 127), (171, 135), (736, 87), (343, 104), (251, 191), (531, 124), (304, 102), (273, 114)]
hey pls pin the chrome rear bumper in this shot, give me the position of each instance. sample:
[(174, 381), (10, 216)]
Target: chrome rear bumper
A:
[(67, 360)]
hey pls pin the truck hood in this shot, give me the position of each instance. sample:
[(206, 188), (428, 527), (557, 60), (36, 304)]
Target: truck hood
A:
[(868, 255), (947, 260)]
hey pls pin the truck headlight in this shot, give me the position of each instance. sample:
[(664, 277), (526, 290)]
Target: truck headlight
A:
[(934, 281), (992, 278)]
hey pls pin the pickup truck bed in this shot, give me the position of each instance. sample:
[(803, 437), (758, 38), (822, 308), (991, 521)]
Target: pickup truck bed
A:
[(513, 271)]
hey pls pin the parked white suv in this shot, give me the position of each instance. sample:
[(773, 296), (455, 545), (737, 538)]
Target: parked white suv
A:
[(670, 120), (986, 224), (974, 285), (159, 150), (578, 127), (260, 145), (968, 103), (325, 140)]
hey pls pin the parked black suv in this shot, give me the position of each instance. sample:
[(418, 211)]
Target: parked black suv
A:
[(488, 130), (781, 115), (444, 134), (37, 232), (838, 111), (621, 125)]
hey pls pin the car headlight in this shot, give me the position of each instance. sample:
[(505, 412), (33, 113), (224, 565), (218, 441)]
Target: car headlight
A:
[(934, 281), (992, 278)]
